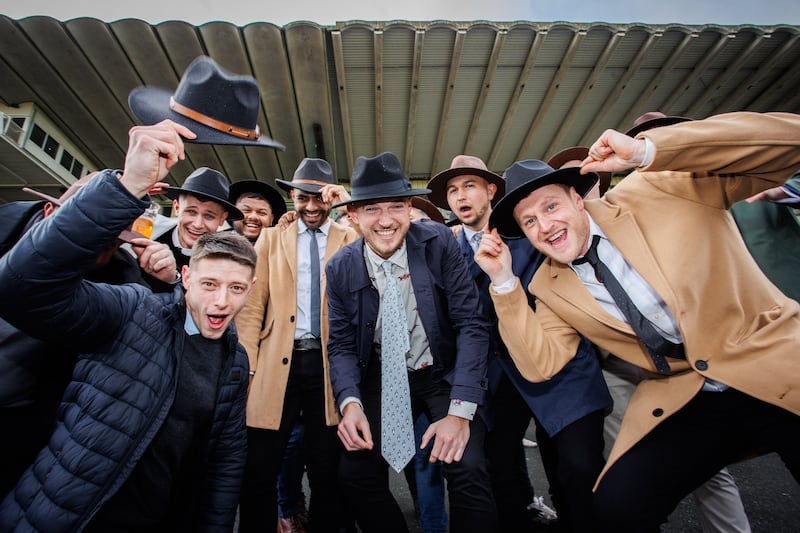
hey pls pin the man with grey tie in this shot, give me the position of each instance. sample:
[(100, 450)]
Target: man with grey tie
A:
[(656, 273), (283, 327), (407, 335)]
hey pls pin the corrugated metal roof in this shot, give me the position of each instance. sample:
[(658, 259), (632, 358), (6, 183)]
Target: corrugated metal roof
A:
[(424, 90)]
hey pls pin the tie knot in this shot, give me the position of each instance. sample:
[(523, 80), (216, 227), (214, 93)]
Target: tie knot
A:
[(591, 254), (475, 241), (387, 267)]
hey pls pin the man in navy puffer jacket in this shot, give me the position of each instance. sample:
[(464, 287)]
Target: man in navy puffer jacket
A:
[(151, 433)]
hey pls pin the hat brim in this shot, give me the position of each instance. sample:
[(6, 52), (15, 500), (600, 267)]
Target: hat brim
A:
[(357, 199), (428, 208), (273, 196), (150, 105), (233, 212), (438, 184), (311, 188), (502, 216), (579, 153), (655, 123)]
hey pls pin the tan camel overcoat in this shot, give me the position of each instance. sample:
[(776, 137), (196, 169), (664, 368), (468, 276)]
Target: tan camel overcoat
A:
[(266, 325), (670, 220)]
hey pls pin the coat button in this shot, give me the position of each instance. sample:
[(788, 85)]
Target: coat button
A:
[(291, 318), (370, 325), (658, 412), (285, 360), (701, 365), (362, 363)]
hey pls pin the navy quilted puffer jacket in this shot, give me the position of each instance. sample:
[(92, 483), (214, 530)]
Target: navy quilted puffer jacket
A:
[(125, 380)]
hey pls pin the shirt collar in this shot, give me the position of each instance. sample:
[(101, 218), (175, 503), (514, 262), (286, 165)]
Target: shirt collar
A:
[(189, 326), (399, 258), (301, 227)]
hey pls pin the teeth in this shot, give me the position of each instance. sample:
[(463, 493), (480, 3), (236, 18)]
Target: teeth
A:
[(556, 236)]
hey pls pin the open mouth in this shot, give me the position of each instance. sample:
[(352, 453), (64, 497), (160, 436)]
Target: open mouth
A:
[(558, 238), (216, 321)]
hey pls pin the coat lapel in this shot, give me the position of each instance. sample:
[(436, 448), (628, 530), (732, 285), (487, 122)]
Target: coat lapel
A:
[(288, 239)]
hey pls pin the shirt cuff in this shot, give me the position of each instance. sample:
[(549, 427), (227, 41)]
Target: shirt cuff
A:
[(350, 399), (505, 288), (462, 409), (649, 152)]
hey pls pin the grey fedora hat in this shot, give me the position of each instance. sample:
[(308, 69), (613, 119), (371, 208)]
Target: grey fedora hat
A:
[(220, 107), (311, 175), (379, 177), (207, 184), (524, 177)]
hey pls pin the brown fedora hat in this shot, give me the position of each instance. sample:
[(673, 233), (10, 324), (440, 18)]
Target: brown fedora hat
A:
[(463, 165), (428, 208), (578, 153), (653, 119), (220, 107)]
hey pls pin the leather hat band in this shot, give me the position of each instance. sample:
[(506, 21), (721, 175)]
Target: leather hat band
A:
[(214, 123)]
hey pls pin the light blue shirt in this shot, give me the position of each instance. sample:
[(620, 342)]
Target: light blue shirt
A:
[(303, 323)]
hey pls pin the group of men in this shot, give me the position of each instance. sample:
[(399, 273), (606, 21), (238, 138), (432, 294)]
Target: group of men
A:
[(167, 415)]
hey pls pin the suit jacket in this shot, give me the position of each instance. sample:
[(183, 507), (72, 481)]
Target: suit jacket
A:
[(447, 299), (266, 325), (574, 392), (670, 220)]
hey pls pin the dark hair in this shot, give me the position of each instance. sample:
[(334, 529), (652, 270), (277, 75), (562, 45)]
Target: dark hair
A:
[(224, 245), (254, 195)]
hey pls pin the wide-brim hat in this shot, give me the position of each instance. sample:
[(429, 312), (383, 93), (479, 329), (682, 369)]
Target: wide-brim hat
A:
[(653, 119), (428, 208), (270, 193), (524, 177), (380, 177), (312, 174), (220, 107), (578, 153), (207, 184), (463, 165)]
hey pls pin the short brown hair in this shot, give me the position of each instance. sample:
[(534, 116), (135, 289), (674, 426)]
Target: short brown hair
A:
[(224, 245)]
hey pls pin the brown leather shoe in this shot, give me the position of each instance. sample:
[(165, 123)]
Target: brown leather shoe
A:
[(291, 524)]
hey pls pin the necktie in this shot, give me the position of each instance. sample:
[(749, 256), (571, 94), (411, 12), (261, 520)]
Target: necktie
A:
[(397, 429), (657, 346), (313, 252), (475, 241)]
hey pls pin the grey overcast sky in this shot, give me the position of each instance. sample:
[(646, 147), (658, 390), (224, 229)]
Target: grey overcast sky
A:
[(327, 12)]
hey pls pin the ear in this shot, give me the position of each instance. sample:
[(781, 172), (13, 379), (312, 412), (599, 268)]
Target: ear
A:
[(492, 188), (49, 209), (576, 198), (351, 211), (176, 206), (185, 274)]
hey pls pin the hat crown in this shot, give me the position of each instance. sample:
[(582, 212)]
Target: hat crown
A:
[(521, 172), (312, 168), (468, 161), (650, 115), (213, 91), (207, 182), (382, 170)]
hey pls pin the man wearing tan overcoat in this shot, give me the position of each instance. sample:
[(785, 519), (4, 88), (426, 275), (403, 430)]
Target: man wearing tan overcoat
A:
[(285, 338), (732, 390)]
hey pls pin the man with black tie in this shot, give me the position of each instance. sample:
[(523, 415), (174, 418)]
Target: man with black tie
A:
[(406, 335), (656, 273), (569, 408), (283, 327)]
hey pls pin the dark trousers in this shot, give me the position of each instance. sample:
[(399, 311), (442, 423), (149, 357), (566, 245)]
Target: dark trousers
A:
[(365, 474), (258, 510), (572, 460), (713, 430)]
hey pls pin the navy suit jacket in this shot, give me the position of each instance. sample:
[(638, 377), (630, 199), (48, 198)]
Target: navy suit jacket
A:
[(448, 305), (577, 390)]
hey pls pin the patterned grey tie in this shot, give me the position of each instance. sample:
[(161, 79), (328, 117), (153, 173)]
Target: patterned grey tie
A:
[(397, 430), (475, 241), (313, 252)]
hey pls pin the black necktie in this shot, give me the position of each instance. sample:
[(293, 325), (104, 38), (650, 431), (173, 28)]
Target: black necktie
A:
[(657, 346)]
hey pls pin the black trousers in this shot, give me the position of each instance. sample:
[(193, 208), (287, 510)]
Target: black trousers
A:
[(572, 460), (365, 474), (258, 510), (713, 430)]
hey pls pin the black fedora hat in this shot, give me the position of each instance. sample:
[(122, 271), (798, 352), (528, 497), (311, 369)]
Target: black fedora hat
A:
[(220, 107), (311, 175), (653, 119), (272, 195), (460, 166), (207, 184), (524, 177), (578, 153), (379, 177)]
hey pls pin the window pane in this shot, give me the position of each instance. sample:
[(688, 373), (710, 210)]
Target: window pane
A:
[(38, 136), (77, 168), (66, 160), (51, 147)]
